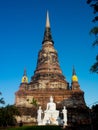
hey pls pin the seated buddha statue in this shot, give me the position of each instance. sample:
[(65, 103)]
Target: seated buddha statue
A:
[(51, 115)]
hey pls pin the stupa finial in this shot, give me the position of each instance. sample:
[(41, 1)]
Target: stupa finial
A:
[(74, 76), (47, 33), (47, 20)]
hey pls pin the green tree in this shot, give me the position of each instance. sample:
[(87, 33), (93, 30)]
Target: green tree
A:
[(94, 5), (2, 100), (95, 117), (7, 115)]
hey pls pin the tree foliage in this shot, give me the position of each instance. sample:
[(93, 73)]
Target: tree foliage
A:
[(7, 115), (95, 116), (33, 102), (94, 67), (2, 100), (94, 31), (94, 5)]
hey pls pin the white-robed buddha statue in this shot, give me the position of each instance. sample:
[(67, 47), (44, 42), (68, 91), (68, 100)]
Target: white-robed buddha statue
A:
[(64, 111), (51, 106), (39, 116), (51, 115)]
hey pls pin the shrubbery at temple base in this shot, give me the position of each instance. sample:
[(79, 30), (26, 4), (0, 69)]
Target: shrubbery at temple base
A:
[(7, 115)]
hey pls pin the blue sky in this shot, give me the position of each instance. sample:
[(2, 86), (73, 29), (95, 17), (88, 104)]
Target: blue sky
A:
[(22, 25)]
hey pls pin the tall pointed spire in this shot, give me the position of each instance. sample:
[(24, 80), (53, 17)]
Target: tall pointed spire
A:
[(47, 21), (47, 33), (25, 72), (73, 71)]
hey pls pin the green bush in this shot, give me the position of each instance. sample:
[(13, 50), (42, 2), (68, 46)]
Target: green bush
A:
[(7, 115)]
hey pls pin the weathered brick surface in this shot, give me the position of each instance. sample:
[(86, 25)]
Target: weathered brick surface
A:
[(48, 80)]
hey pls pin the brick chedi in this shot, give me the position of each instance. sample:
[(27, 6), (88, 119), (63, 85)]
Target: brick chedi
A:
[(48, 73), (48, 80)]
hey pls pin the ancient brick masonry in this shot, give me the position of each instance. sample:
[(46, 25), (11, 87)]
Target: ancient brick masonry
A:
[(48, 80)]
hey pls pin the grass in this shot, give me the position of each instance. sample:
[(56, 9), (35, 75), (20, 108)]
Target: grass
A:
[(36, 128)]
